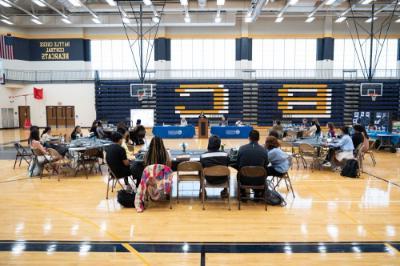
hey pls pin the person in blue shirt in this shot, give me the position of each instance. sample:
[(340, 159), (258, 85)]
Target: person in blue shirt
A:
[(278, 159), (343, 149)]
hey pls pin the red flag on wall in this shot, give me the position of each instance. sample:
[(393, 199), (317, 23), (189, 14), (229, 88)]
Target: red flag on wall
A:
[(38, 93)]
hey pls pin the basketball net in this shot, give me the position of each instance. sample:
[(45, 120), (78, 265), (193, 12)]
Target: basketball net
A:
[(140, 95), (373, 96)]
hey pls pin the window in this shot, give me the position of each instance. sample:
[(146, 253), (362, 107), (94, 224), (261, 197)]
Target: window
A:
[(349, 54), (117, 55), (203, 54), (284, 53)]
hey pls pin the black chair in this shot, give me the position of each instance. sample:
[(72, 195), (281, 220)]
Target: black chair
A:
[(114, 181), (88, 157), (251, 177), (22, 154)]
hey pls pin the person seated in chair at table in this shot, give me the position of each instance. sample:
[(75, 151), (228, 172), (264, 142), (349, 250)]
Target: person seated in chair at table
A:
[(315, 129), (252, 154), (359, 128), (305, 123), (331, 130), (278, 128), (138, 133), (100, 131), (76, 133), (117, 160), (125, 142), (184, 122), (92, 130), (278, 159), (223, 122), (46, 135), (343, 149), (214, 157), (357, 137), (202, 115), (157, 153)]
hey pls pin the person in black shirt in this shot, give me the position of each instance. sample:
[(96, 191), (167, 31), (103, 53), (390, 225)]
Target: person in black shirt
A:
[(357, 137), (214, 157), (252, 154), (116, 158), (77, 133)]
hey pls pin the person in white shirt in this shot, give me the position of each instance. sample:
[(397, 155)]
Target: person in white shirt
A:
[(343, 149), (184, 122), (46, 135)]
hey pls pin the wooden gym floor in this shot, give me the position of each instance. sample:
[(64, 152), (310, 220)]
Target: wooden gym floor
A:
[(332, 221)]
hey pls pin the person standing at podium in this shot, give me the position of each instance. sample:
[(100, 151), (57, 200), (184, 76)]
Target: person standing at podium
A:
[(202, 115)]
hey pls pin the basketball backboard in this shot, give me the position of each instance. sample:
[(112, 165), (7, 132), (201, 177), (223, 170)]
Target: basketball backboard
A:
[(372, 90)]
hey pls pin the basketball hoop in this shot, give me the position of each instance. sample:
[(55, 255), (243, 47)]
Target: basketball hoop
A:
[(140, 95), (373, 96)]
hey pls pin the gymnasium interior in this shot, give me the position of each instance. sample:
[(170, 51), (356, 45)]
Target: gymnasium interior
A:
[(295, 78)]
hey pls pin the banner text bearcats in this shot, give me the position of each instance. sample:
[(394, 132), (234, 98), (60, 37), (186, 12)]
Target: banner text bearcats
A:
[(54, 50)]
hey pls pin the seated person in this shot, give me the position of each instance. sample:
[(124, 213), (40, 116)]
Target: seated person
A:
[(125, 142), (122, 125), (100, 131), (343, 148), (357, 137), (274, 133), (305, 123), (278, 159), (46, 135), (202, 115), (157, 153), (92, 130), (76, 133), (116, 158), (239, 123), (223, 122), (331, 130), (361, 129), (315, 129), (184, 123), (138, 134), (252, 154), (277, 126), (214, 157)]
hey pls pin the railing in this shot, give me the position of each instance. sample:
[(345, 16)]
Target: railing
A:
[(53, 76)]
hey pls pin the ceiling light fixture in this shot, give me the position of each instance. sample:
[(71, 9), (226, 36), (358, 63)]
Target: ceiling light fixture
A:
[(156, 19), (96, 20), (217, 19), (36, 21), (330, 2), (76, 3), (310, 19), (4, 3), (111, 2), (126, 20), (248, 19), (340, 19), (398, 20), (7, 21), (147, 2), (184, 2), (66, 21), (279, 19), (39, 3), (366, 2), (293, 2), (220, 2), (5, 17), (369, 20), (187, 19)]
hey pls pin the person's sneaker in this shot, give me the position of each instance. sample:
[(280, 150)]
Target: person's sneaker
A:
[(224, 193), (327, 164)]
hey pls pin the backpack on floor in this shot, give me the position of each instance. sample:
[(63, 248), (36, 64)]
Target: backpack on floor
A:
[(351, 169), (272, 196), (126, 198)]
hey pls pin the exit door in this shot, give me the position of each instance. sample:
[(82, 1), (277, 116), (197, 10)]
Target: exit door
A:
[(24, 113), (60, 116)]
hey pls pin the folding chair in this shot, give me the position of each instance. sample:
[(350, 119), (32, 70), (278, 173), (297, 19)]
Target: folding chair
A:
[(58, 162), (306, 150), (22, 154), (255, 175), (289, 149), (286, 178), (88, 157), (371, 153), (217, 171), (359, 156), (46, 160), (114, 181), (188, 171)]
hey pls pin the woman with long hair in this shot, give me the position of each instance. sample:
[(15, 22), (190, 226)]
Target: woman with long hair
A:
[(157, 154), (77, 133), (46, 135), (34, 141)]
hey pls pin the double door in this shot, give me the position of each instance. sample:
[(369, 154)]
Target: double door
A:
[(60, 116)]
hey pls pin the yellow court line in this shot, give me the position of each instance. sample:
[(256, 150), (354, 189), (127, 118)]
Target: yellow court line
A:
[(86, 220)]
